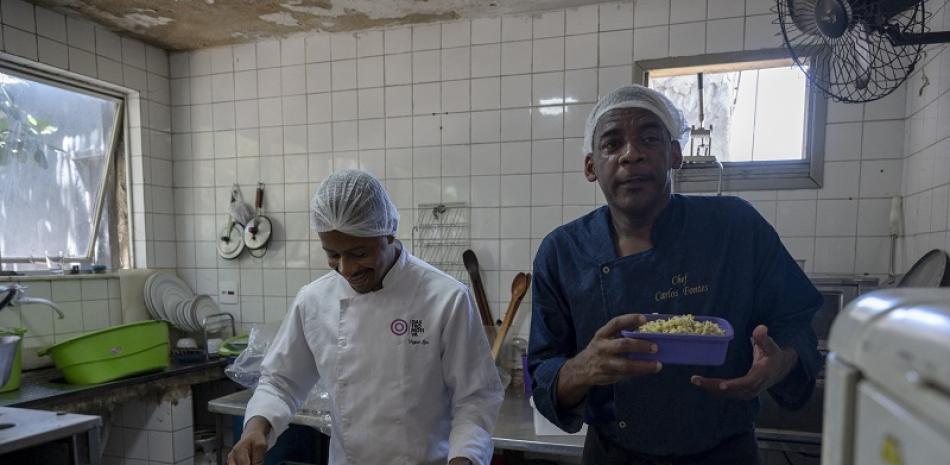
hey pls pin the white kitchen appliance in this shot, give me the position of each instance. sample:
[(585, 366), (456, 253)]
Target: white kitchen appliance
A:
[(887, 395)]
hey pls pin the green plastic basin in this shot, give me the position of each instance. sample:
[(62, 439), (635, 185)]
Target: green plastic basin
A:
[(13, 383), (112, 353)]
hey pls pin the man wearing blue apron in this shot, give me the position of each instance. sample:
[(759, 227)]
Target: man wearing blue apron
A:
[(648, 251)]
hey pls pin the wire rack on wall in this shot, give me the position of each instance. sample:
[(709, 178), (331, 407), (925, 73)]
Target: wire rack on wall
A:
[(441, 234)]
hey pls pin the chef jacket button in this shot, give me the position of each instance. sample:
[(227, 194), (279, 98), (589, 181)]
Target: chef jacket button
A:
[(622, 424), (605, 269), (342, 342)]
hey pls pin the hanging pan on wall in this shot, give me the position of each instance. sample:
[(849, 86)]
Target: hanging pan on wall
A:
[(231, 238), (257, 232)]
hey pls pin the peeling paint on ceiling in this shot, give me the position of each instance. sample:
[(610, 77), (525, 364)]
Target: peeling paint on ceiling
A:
[(194, 24)]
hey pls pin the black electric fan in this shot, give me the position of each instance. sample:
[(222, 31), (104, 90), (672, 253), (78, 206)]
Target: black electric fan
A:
[(856, 50)]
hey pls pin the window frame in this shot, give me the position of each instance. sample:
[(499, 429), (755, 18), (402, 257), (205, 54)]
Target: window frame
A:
[(755, 175), (114, 169)]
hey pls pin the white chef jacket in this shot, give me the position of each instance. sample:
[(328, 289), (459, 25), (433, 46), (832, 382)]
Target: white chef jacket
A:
[(408, 368)]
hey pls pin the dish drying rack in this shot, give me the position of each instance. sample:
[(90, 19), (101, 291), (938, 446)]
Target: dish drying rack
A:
[(210, 325), (441, 234)]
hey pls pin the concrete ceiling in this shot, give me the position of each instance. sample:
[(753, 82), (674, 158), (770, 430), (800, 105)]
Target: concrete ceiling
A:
[(194, 24)]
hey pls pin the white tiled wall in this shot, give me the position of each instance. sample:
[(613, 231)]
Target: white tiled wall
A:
[(152, 432), (79, 46), (88, 304), (474, 111), (926, 146)]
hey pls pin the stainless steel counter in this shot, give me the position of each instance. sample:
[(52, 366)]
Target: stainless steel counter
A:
[(22, 429), (514, 430), (236, 403)]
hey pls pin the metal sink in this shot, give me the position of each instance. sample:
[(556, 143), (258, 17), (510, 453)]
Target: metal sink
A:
[(8, 346)]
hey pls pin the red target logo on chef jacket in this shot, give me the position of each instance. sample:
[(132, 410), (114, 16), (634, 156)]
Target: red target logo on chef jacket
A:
[(399, 327)]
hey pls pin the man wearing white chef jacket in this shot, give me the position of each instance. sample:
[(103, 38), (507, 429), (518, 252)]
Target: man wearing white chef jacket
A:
[(405, 358)]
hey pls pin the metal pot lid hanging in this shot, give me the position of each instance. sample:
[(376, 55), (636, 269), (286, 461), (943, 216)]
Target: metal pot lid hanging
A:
[(257, 232), (231, 240)]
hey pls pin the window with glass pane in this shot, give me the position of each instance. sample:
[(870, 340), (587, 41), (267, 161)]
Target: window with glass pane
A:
[(56, 146), (756, 114), (767, 123)]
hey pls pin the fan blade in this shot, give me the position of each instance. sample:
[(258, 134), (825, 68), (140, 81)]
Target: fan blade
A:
[(862, 56), (803, 15), (888, 9)]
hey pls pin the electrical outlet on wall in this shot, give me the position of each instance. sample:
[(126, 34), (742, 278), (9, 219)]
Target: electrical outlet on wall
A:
[(227, 292)]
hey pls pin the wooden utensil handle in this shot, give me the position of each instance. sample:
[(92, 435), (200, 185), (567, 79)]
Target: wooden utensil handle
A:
[(506, 324), (482, 301), (259, 198)]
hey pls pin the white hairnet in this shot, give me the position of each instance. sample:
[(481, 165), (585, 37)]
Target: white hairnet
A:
[(355, 203), (635, 96)]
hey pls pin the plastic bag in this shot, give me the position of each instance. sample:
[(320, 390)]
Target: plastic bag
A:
[(246, 369), (317, 406)]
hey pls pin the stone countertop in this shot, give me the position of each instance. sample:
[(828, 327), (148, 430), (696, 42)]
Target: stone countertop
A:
[(47, 389)]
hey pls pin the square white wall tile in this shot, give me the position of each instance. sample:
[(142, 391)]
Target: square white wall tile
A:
[(515, 27), (548, 54), (369, 43), (455, 63), (685, 11), (486, 60), (397, 40), (515, 222), (724, 35), (342, 46), (455, 95), (760, 32), (615, 16), (843, 141), (883, 139), (426, 66), (457, 34), (21, 43), (842, 180), (651, 13), (516, 91), (796, 218), (725, 8), (50, 24), (869, 257), (582, 19), (881, 178), (426, 37), (837, 217), (486, 30), (651, 42), (616, 48), (579, 51), (834, 255), (548, 24), (398, 69), (516, 57)]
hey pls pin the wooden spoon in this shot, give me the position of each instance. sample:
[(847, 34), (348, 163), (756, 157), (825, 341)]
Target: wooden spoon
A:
[(519, 286), (481, 300)]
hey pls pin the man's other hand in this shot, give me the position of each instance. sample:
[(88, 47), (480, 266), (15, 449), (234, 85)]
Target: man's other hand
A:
[(770, 364)]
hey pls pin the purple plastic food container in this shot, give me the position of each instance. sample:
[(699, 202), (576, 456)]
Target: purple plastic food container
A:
[(527, 375), (685, 349)]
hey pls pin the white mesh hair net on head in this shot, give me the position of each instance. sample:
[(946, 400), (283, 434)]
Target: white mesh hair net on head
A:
[(355, 203), (635, 96)]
